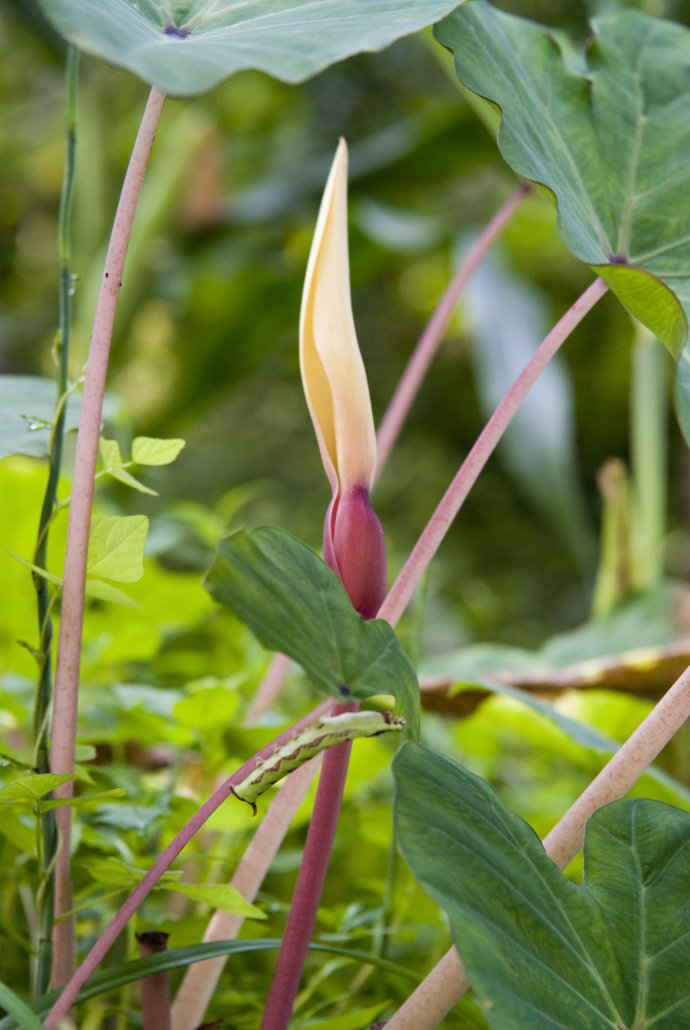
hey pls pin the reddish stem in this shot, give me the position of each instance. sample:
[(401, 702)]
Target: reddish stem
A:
[(64, 726), (155, 989), (432, 536), (310, 881)]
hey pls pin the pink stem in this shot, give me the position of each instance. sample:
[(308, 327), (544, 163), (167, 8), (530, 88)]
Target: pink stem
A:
[(427, 346), (64, 726), (310, 881), (162, 863), (451, 502)]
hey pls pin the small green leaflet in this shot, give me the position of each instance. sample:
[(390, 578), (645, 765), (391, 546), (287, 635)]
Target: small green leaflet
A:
[(311, 741), (116, 547)]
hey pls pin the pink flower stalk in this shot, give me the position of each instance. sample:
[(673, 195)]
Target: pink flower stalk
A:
[(335, 385)]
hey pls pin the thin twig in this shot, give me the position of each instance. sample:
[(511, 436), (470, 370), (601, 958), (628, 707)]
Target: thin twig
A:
[(49, 838), (64, 725)]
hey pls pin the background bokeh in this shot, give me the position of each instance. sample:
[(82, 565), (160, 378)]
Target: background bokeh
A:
[(205, 348)]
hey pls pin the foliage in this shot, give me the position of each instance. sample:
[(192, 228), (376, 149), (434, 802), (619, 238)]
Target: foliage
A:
[(205, 349)]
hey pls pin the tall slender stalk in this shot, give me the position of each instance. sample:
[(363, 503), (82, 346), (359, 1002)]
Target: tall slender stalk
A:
[(649, 424), (43, 598), (310, 880), (418, 365), (431, 538), (64, 726)]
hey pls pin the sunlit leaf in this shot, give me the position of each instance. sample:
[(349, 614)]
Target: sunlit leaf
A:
[(99, 590), (116, 547), (109, 453), (188, 47), (539, 950), (29, 789), (147, 450), (610, 144)]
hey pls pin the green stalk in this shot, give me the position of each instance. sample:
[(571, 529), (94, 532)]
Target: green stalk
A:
[(43, 598), (649, 460)]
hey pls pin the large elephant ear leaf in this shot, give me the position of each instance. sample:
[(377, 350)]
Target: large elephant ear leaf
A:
[(610, 142), (188, 46)]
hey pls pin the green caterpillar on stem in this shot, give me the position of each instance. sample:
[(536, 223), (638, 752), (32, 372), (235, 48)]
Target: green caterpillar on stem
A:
[(323, 733)]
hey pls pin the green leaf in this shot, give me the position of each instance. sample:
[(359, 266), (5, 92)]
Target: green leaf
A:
[(55, 580), (221, 895), (205, 42), (295, 604), (14, 1006), (109, 453), (29, 789), (128, 479), (27, 409), (539, 950), (147, 450), (116, 547), (611, 144), (101, 591)]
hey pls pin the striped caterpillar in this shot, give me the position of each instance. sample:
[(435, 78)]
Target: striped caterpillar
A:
[(310, 741)]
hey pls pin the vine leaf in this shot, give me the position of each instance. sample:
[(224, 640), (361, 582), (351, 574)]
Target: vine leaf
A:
[(611, 143), (188, 46), (295, 604), (539, 950)]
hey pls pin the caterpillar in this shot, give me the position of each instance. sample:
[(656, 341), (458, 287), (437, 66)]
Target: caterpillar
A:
[(323, 733)]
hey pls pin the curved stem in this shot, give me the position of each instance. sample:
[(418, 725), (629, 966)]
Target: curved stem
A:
[(417, 367), (64, 725), (431, 538), (162, 863), (447, 981)]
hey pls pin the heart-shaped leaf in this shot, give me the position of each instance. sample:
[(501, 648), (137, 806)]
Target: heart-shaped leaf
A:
[(611, 143), (188, 46), (295, 604), (541, 951)]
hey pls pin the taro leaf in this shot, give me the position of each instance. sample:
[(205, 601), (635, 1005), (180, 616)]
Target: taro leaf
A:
[(295, 604), (187, 46), (540, 951), (610, 145)]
